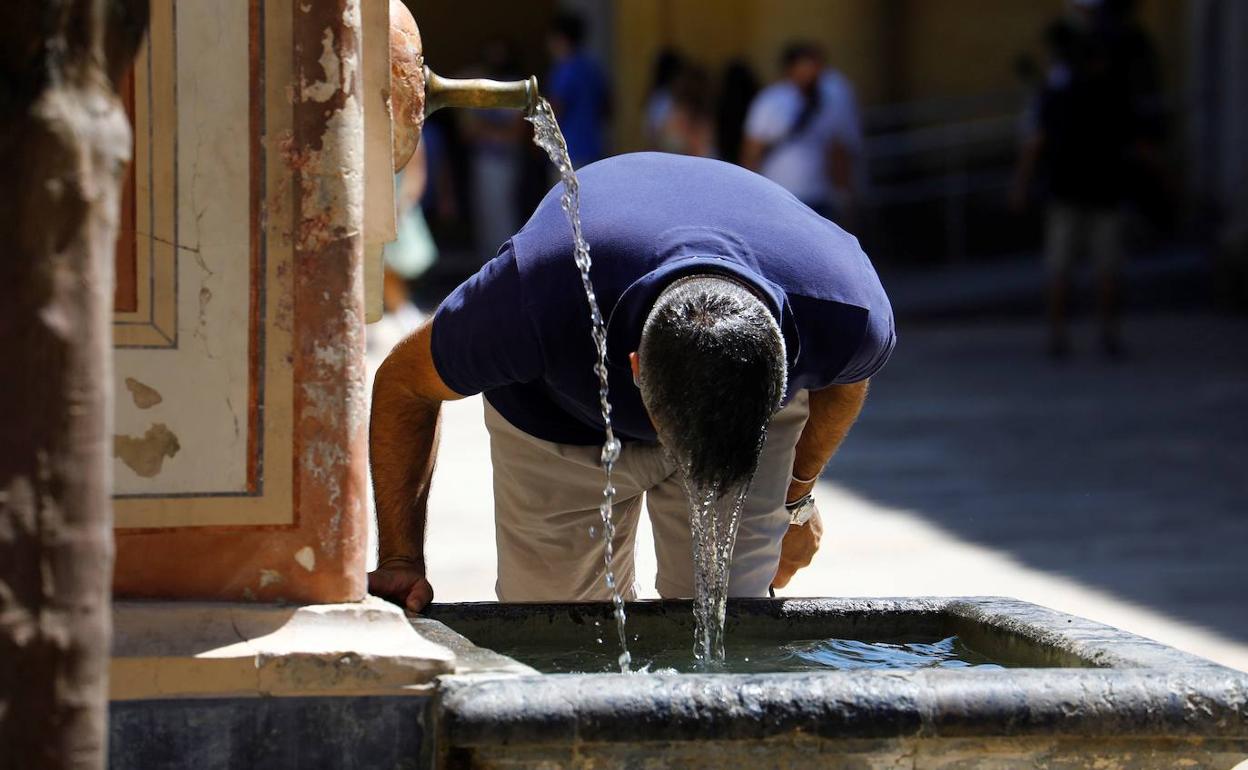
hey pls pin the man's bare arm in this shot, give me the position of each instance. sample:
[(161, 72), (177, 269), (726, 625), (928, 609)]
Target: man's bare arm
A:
[(833, 411), (402, 443)]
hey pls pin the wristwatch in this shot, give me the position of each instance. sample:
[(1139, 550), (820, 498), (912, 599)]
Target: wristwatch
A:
[(801, 509)]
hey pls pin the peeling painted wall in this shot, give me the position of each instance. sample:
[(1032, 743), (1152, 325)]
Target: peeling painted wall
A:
[(240, 446), (204, 375)]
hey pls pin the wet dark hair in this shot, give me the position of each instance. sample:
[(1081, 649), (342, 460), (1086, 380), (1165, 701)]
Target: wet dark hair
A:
[(712, 375)]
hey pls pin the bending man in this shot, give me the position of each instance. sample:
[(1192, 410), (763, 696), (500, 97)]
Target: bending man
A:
[(742, 329)]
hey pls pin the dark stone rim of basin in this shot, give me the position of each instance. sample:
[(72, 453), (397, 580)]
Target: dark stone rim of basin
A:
[(1135, 687)]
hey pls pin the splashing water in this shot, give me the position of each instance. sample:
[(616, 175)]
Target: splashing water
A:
[(713, 521), (546, 135)]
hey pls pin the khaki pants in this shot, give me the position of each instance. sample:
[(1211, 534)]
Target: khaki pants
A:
[(549, 531)]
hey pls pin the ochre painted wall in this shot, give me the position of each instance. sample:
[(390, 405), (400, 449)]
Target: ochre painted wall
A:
[(455, 32)]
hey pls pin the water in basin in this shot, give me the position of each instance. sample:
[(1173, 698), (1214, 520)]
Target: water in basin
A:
[(760, 655)]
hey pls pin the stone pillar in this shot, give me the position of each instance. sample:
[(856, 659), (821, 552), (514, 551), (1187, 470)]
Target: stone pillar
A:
[(65, 141), (330, 402)]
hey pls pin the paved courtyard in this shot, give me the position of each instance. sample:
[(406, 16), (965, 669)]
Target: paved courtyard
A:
[(1113, 491)]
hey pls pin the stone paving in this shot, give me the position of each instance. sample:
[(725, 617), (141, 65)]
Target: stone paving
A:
[(1115, 491)]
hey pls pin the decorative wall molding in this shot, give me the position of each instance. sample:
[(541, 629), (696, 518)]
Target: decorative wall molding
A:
[(240, 445)]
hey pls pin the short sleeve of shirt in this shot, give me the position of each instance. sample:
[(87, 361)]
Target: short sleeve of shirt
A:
[(878, 340), (483, 338), (769, 117)]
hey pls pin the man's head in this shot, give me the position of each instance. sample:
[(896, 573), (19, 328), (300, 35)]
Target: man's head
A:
[(711, 368)]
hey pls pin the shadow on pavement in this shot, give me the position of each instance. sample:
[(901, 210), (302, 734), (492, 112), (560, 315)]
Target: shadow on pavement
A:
[(1131, 477)]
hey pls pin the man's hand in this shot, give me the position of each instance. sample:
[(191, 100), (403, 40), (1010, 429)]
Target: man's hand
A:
[(798, 548), (404, 585)]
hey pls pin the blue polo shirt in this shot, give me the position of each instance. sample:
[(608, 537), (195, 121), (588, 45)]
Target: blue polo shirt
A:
[(519, 330)]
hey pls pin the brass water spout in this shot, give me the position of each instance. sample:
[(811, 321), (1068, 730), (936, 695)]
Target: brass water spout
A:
[(479, 93)]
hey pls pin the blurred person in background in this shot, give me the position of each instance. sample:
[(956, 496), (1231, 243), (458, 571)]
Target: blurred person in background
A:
[(667, 67), (796, 131), (688, 128), (496, 141), (737, 90), (1082, 132), (405, 258), (577, 90), (1134, 64), (440, 200), (846, 153)]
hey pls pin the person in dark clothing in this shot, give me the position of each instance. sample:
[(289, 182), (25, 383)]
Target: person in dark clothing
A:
[(577, 89), (667, 68), (1084, 127), (737, 90)]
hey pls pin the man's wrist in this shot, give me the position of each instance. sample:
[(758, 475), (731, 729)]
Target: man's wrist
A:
[(798, 490), (801, 478), (401, 561)]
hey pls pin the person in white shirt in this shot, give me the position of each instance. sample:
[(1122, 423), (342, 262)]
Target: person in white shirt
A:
[(803, 132)]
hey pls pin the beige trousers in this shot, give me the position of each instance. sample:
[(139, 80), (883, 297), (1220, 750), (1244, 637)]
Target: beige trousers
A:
[(549, 531)]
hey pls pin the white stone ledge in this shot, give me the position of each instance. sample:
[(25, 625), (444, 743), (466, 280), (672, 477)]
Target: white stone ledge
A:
[(203, 649)]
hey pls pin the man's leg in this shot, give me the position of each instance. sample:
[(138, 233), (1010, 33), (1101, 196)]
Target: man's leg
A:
[(547, 524), (763, 518), (1061, 242), (1105, 241)]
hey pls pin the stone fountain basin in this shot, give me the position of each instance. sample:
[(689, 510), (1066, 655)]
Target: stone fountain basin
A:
[(1078, 694)]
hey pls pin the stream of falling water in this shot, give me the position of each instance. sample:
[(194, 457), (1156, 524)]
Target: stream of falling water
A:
[(546, 135), (713, 521)]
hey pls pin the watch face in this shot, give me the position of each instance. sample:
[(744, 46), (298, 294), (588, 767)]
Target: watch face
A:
[(801, 514)]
